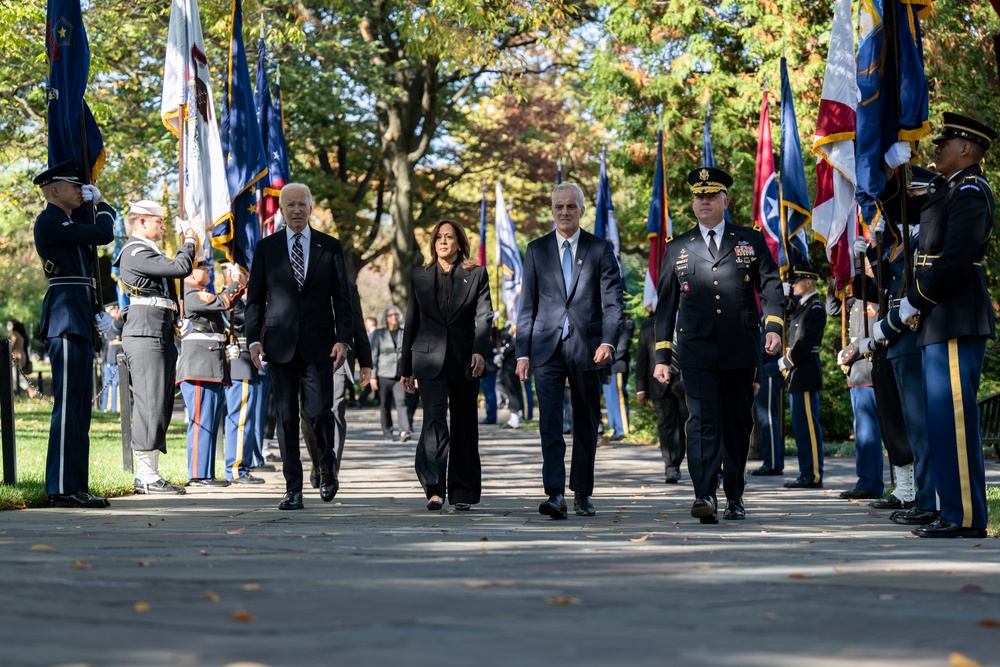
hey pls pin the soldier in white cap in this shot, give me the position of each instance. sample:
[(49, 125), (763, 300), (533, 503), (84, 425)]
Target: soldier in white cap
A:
[(148, 335)]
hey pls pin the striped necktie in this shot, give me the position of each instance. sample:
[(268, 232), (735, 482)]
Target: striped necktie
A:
[(298, 261)]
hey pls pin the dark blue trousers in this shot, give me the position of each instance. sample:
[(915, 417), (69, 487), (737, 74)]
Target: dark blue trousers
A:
[(260, 418), (241, 427), (867, 440), (205, 402), (489, 384), (767, 412), (909, 372), (952, 372), (66, 466), (808, 434)]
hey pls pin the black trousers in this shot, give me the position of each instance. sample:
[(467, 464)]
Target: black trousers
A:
[(718, 430), (391, 390), (889, 407), (315, 381), (447, 459), (671, 414)]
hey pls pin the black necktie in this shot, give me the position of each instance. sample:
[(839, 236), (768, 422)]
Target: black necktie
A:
[(713, 247)]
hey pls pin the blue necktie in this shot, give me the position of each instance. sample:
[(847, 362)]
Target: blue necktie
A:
[(567, 269)]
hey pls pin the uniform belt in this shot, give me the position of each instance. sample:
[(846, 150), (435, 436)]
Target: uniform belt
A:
[(205, 336), (928, 260), (157, 301), (72, 280), (894, 303), (815, 349)]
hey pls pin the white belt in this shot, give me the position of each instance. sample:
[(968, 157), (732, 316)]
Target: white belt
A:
[(205, 336), (157, 301)]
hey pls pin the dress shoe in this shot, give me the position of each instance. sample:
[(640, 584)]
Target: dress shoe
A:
[(799, 483), (914, 517), (582, 505), (672, 476), (858, 494), (404, 436), (766, 471), (488, 421), (434, 503), (328, 487), (734, 511), (554, 507), (891, 503), (704, 506), (265, 467), (78, 499), (463, 507), (616, 437), (272, 458), (291, 501), (247, 478), (945, 528), (207, 481), (314, 478), (709, 519), (159, 486)]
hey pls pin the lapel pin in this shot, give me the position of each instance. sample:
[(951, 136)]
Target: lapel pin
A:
[(579, 261), (465, 281)]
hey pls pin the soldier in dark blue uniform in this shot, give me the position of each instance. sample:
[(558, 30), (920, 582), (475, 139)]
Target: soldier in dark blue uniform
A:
[(66, 247), (708, 282), (667, 400), (952, 311), (767, 412), (148, 336), (805, 377)]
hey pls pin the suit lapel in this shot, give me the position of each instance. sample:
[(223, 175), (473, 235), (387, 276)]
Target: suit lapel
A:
[(425, 286), (728, 241), (316, 249), (460, 289), (284, 263), (583, 247), (696, 245)]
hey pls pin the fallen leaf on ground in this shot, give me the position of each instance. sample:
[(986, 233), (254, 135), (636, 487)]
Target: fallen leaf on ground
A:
[(42, 547), (251, 587), (805, 542), (482, 583), (143, 563), (972, 588), (769, 616), (703, 567), (841, 569), (959, 660), (562, 600), (639, 539), (888, 597), (243, 616), (238, 531), (482, 551), (105, 523), (151, 525), (989, 623), (202, 552), (213, 597), (140, 607), (447, 532), (80, 565), (798, 575), (663, 515)]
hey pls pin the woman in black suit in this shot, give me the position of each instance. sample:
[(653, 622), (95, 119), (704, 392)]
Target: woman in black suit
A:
[(445, 340)]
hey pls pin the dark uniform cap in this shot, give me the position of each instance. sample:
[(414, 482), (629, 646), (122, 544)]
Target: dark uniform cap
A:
[(920, 177), (64, 171), (957, 125), (709, 180), (801, 271)]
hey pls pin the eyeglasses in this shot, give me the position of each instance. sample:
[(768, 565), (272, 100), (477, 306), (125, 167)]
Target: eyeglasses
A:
[(393, 315)]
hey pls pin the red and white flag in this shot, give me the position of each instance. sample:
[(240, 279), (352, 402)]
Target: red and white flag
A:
[(834, 214)]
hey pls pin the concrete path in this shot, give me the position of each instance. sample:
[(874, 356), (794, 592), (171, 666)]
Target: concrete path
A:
[(221, 577)]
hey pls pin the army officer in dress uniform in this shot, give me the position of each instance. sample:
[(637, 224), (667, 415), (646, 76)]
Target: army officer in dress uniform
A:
[(708, 283), (805, 377), (148, 335), (952, 312), (66, 246)]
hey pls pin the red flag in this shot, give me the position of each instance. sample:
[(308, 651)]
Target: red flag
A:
[(766, 212)]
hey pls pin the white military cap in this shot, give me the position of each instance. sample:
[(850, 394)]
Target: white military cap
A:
[(147, 207)]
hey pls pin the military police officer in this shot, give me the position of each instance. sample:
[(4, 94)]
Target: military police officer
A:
[(952, 311), (805, 377), (148, 335), (708, 283), (66, 246)]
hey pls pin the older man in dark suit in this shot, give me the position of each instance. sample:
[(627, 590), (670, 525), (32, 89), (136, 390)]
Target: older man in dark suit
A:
[(569, 320), (299, 314)]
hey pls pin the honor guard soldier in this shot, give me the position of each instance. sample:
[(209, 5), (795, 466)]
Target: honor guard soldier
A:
[(805, 377), (767, 411), (709, 282), (952, 312), (203, 372), (148, 335), (241, 396), (66, 247)]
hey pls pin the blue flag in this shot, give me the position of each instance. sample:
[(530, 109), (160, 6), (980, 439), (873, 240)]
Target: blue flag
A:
[(508, 258), (271, 122), (707, 152), (242, 152), (605, 225), (70, 121), (795, 205), (659, 226)]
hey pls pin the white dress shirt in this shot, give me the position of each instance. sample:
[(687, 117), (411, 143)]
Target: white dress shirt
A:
[(718, 233), (306, 237)]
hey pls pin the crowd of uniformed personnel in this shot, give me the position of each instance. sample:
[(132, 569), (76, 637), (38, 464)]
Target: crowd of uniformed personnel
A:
[(913, 363)]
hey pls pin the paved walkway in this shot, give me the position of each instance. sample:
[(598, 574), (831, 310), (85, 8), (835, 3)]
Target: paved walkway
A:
[(221, 577)]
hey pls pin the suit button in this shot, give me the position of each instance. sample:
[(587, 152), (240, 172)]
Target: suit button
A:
[(717, 297), (718, 312), (715, 268), (716, 283)]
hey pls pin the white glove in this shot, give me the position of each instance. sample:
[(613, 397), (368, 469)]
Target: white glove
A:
[(232, 352), (181, 225), (184, 325), (498, 359), (90, 193), (907, 310), (898, 154), (786, 288), (866, 346), (103, 320), (879, 225), (860, 245), (877, 334), (783, 364)]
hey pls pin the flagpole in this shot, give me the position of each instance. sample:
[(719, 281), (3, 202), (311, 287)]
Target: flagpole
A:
[(95, 264), (902, 175), (182, 121)]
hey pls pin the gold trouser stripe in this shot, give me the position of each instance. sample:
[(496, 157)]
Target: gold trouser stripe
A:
[(961, 445), (812, 435), (241, 428), (621, 402)]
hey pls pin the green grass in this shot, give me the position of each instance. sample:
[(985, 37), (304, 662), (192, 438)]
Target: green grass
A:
[(107, 478)]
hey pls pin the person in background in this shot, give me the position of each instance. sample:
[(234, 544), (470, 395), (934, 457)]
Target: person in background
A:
[(667, 399), (616, 386), (387, 345), (109, 363), (19, 354), (767, 413)]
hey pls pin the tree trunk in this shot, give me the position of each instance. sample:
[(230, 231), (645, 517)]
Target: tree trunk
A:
[(405, 255)]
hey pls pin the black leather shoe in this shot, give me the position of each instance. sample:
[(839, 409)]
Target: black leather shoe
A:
[(314, 478), (272, 458), (247, 478), (703, 507), (328, 487), (891, 503), (265, 467), (858, 494), (582, 505), (207, 481), (291, 501), (799, 483), (765, 471), (915, 517), (734, 511), (672, 476), (554, 507), (945, 528), (488, 421), (78, 499), (711, 518), (159, 486), (434, 503)]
